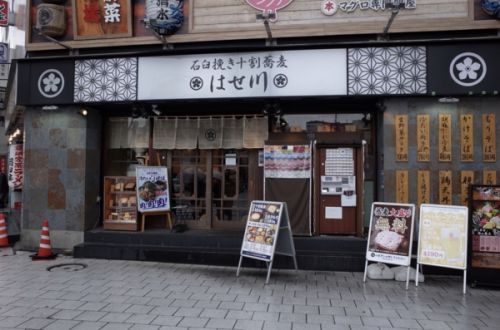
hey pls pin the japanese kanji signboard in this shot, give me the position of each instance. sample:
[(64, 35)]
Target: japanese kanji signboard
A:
[(94, 19), (466, 138), (466, 179), (401, 127), (444, 138), (423, 187), (445, 187), (489, 177), (237, 75), (489, 139), (16, 166), (423, 138), (402, 186)]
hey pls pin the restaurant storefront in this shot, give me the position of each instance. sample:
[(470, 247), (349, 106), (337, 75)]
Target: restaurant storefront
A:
[(327, 125)]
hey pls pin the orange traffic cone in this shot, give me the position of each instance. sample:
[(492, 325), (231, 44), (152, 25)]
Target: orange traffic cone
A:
[(4, 240), (45, 250)]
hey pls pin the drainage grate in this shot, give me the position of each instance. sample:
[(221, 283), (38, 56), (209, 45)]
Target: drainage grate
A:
[(67, 267)]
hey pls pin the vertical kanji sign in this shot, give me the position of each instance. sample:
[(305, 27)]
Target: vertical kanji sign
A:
[(490, 177), (445, 187), (466, 179), (402, 186), (423, 138), (401, 126), (16, 166), (489, 139), (423, 187), (466, 138), (4, 13), (444, 138)]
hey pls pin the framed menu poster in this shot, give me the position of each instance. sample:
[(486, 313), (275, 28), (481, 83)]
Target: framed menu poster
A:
[(152, 189), (391, 235), (442, 240), (267, 233), (484, 246)]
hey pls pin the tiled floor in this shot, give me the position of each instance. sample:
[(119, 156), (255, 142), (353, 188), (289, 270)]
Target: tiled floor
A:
[(121, 295)]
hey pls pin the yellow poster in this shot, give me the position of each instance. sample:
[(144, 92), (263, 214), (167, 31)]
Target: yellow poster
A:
[(443, 236)]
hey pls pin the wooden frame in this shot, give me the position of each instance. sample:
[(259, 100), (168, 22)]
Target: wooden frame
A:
[(83, 29)]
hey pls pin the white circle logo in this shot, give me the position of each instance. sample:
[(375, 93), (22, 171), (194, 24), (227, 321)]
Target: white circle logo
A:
[(329, 7), (51, 83), (468, 69)]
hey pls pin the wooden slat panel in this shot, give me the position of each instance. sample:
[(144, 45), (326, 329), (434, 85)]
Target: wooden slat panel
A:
[(466, 179), (401, 128), (444, 138), (423, 187), (489, 177), (423, 138), (401, 186), (489, 139), (445, 187), (467, 138)]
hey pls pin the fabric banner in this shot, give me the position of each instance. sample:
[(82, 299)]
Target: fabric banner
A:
[(187, 133), (164, 133), (118, 133), (255, 132), (210, 133), (138, 133), (233, 133)]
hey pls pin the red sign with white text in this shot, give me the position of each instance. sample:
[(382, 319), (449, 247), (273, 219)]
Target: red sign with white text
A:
[(4, 13)]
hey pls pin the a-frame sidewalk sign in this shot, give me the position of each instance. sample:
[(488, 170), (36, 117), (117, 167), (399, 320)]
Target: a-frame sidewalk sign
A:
[(267, 233)]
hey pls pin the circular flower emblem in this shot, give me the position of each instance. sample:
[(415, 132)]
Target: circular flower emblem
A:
[(51, 83), (468, 69)]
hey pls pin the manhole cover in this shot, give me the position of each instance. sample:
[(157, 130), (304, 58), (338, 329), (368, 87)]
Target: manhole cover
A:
[(68, 267)]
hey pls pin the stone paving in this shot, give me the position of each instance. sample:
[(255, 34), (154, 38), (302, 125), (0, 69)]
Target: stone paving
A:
[(116, 294)]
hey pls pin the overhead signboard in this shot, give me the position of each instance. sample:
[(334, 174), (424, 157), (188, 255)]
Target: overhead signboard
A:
[(259, 74), (4, 13), (463, 69)]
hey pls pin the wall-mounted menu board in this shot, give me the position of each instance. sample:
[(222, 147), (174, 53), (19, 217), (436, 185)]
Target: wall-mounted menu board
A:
[(489, 138), (401, 126), (444, 138), (402, 186), (423, 187), (423, 138), (484, 251), (467, 138)]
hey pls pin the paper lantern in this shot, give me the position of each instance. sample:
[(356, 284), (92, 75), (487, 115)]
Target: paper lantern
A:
[(165, 17)]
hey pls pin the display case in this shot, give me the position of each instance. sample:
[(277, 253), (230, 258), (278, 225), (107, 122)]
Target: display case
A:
[(120, 203), (484, 239)]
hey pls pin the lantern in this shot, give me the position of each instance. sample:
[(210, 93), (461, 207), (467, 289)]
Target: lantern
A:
[(165, 17)]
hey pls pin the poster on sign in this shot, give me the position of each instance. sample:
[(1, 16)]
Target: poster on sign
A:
[(261, 230), (152, 189), (267, 233), (16, 166), (391, 233), (443, 237)]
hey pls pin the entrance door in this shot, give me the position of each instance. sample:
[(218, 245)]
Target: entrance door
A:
[(213, 188), (336, 190)]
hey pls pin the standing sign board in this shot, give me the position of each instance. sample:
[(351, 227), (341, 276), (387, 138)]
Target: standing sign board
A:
[(484, 231), (267, 233), (443, 237), (391, 235), (152, 189)]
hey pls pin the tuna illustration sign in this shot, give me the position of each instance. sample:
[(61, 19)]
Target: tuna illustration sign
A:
[(269, 7)]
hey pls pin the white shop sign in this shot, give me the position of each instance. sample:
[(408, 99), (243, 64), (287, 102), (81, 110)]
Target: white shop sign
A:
[(233, 75)]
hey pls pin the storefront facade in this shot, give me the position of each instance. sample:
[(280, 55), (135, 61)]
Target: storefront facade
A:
[(328, 127)]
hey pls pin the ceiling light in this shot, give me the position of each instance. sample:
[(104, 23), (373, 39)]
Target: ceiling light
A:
[(449, 100)]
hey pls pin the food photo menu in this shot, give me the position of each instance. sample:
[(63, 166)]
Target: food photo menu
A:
[(262, 230)]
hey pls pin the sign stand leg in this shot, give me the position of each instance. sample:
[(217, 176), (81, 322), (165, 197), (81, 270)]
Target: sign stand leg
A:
[(407, 276), (269, 266), (295, 263), (366, 265), (465, 280), (416, 275), (239, 265)]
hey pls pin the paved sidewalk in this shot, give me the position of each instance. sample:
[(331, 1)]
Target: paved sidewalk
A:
[(121, 295)]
